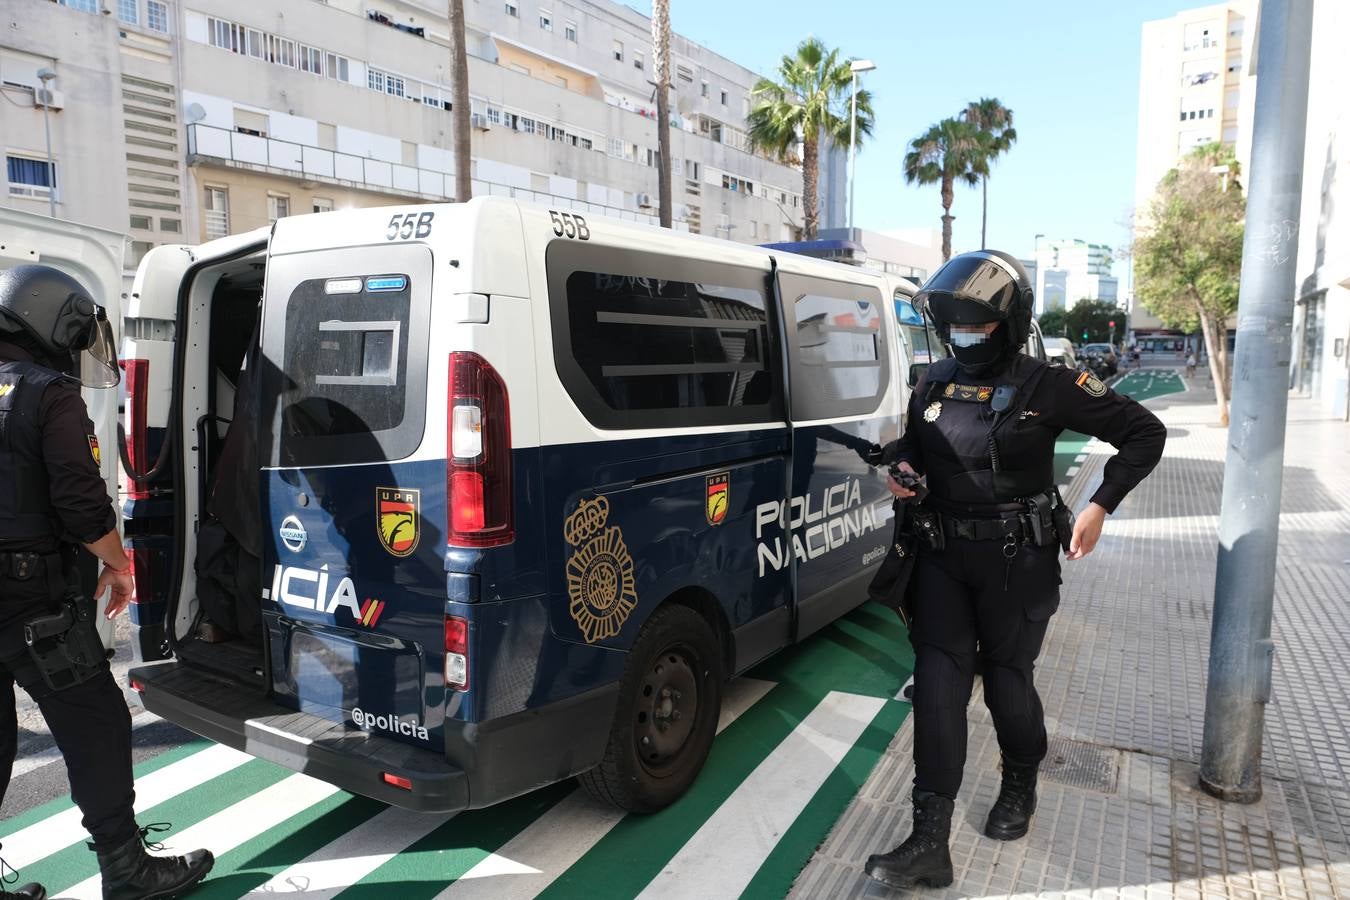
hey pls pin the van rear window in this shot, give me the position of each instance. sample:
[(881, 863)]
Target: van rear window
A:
[(347, 356)]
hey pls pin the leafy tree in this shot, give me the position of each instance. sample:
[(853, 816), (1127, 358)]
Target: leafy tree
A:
[(809, 101), (950, 151), (1093, 318), (1188, 254), (661, 65), (1054, 322), (996, 121)]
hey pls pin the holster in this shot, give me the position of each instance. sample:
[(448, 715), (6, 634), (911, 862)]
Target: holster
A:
[(928, 529), (1063, 519), (64, 645)]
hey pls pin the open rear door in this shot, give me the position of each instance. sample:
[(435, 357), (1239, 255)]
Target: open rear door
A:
[(94, 257)]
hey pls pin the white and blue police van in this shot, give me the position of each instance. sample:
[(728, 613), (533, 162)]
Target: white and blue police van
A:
[(445, 503)]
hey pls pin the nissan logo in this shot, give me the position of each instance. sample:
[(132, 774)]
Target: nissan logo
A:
[(293, 534)]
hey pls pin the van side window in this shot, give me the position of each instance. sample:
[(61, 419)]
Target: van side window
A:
[(838, 353), (648, 341)]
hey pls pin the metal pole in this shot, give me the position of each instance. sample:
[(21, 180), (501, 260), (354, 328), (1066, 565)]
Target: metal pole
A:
[(51, 164), (1241, 652), (852, 145)]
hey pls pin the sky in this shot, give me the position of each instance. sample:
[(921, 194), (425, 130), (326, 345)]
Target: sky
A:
[(1068, 70)]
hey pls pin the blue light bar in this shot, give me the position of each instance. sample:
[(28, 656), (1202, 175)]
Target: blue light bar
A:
[(386, 283)]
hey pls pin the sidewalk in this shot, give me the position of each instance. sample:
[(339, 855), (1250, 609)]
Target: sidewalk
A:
[(1123, 678)]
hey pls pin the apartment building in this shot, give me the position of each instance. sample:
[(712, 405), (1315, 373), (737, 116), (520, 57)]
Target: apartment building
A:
[(297, 106), (1070, 270)]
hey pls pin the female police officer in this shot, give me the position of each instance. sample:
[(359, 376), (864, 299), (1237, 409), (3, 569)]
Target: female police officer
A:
[(52, 498), (981, 428)]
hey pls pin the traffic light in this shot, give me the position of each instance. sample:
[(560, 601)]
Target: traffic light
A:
[(1085, 334), (1112, 323)]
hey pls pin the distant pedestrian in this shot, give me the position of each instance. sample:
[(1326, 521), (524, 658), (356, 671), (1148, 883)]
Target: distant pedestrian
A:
[(1190, 364), (1134, 357)]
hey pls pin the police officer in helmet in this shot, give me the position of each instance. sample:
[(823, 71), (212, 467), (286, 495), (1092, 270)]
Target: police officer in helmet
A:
[(53, 338), (981, 430)]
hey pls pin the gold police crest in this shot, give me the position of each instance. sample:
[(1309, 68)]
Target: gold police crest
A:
[(600, 579)]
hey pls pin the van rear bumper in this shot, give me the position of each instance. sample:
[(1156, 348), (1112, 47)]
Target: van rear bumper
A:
[(354, 761)]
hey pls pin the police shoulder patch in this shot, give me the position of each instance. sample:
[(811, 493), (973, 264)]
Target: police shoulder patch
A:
[(1091, 384)]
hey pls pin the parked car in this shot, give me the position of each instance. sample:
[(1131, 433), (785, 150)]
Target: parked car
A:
[(1059, 352), (1108, 354)]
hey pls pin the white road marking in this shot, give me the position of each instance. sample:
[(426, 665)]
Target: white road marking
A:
[(1072, 471), (723, 856), (332, 869), (1082, 457), (56, 832), (549, 846), (51, 754), (234, 825)]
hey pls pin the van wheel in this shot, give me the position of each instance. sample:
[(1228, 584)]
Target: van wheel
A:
[(669, 701)]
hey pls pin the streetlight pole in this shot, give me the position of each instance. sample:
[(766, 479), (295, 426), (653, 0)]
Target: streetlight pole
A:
[(858, 66), (46, 75)]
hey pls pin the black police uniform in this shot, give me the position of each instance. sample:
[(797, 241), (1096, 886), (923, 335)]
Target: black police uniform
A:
[(52, 497), (991, 590)]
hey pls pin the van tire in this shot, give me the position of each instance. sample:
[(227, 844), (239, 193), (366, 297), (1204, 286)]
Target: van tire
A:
[(654, 754)]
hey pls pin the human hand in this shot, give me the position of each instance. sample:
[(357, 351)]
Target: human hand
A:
[(896, 487), (1087, 529), (122, 588)]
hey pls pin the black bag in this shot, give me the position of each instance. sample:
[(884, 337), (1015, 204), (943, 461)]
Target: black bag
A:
[(893, 583), (228, 582)]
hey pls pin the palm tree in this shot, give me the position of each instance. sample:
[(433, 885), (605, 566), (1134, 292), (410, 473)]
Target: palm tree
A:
[(949, 151), (661, 61), (996, 121), (459, 102), (809, 101)]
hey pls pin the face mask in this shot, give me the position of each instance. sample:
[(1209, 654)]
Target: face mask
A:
[(976, 356), (968, 338)]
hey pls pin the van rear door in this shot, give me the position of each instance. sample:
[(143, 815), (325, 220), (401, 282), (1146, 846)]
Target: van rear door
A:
[(353, 513)]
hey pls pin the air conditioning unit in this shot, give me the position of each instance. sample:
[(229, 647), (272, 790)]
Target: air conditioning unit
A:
[(644, 201), (49, 98), (479, 121)]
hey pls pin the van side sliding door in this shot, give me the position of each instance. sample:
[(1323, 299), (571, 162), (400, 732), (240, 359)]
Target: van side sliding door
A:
[(838, 520)]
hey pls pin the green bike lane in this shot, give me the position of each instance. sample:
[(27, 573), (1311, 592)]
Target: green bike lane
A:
[(334, 843), (1141, 384)]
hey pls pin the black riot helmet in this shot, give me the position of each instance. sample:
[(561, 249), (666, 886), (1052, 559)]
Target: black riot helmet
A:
[(53, 312), (977, 288)]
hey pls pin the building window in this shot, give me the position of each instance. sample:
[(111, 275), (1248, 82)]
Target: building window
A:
[(546, 20), (157, 16), (322, 204), (141, 223), (279, 50), (217, 212), (311, 60), (127, 12), (336, 66), (173, 226), (637, 60), (684, 73), (225, 35), (724, 98), (386, 83), (278, 206), (89, 6), (513, 11), (586, 144), (618, 51), (703, 90), (570, 31), (494, 115), (30, 177)]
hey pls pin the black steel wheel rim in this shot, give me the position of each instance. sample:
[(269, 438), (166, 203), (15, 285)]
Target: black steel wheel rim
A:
[(667, 708)]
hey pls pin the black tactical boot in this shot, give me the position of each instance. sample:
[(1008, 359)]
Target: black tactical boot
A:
[(1010, 816), (129, 873), (924, 857), (30, 891)]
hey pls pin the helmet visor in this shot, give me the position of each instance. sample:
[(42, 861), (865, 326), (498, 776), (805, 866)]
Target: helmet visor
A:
[(98, 362), (969, 290)]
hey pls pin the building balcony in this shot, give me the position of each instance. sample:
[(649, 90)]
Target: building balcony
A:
[(209, 144)]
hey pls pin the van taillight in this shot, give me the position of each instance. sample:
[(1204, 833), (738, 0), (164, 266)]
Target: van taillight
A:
[(138, 383), (456, 653), (478, 451)]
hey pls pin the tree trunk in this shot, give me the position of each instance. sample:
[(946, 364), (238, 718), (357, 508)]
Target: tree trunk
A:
[(1216, 347), (810, 178), (947, 197), (661, 58), (459, 102), (984, 211)]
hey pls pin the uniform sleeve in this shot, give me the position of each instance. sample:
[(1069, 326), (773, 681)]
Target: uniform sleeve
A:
[(79, 495), (1086, 405)]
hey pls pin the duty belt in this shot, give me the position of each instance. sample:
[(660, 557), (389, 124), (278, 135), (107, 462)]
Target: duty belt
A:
[(1014, 526), (22, 566)]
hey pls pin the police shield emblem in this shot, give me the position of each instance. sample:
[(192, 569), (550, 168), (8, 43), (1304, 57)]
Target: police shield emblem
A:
[(398, 513), (719, 496)]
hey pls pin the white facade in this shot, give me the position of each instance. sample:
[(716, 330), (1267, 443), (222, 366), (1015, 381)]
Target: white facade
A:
[(1066, 272), (296, 106), (1321, 340)]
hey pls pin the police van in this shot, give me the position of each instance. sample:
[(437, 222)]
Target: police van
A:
[(444, 503)]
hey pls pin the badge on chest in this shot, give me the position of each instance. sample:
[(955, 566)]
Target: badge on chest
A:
[(968, 393)]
